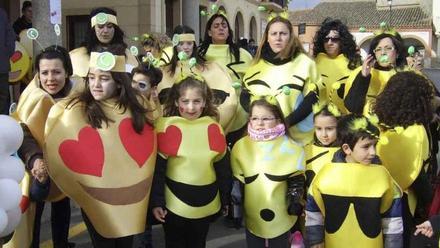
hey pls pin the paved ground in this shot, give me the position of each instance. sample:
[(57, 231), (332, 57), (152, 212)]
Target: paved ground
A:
[(219, 235)]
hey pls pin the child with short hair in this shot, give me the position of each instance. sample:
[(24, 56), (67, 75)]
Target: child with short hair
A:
[(354, 200)]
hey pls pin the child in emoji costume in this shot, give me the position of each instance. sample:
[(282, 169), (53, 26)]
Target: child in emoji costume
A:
[(270, 165), (284, 67), (111, 182), (50, 84), (335, 56), (321, 151), (192, 180), (344, 209), (186, 59), (405, 110), (103, 33)]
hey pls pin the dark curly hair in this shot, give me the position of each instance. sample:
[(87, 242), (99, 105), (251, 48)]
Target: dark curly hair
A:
[(405, 101), (347, 43), (398, 45)]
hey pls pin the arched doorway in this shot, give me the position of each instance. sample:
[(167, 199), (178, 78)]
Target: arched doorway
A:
[(253, 29), (239, 26)]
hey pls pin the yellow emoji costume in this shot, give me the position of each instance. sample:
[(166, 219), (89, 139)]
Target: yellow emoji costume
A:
[(316, 158), (334, 73), (289, 83), (191, 148), (264, 168)]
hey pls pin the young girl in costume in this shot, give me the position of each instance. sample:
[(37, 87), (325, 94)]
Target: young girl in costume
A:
[(109, 117), (192, 179), (321, 151), (405, 111), (270, 165), (344, 207)]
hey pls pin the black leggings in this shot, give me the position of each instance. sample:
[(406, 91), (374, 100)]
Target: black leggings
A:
[(99, 241), (181, 232), (254, 241)]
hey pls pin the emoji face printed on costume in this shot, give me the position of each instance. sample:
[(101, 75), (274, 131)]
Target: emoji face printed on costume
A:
[(221, 86), (20, 63), (107, 171), (264, 167), (191, 146)]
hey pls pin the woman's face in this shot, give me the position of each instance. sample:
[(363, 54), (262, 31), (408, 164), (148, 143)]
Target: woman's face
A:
[(385, 52), (185, 46), (102, 86), (219, 31), (278, 36), (332, 44), (105, 32), (52, 75)]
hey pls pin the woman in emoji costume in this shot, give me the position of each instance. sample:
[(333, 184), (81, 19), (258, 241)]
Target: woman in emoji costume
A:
[(386, 57), (405, 112), (344, 209), (335, 56), (186, 59), (104, 31), (50, 84), (192, 180), (111, 182), (321, 150), (270, 165), (296, 82), (218, 46)]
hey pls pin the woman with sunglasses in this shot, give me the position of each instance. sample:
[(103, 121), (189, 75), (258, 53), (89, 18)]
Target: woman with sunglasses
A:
[(387, 56), (335, 56), (186, 57)]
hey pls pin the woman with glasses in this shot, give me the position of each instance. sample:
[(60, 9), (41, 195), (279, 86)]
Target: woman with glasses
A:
[(386, 57), (335, 56), (185, 57)]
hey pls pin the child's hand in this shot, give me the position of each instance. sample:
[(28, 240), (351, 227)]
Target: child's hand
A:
[(39, 170), (425, 228), (160, 213)]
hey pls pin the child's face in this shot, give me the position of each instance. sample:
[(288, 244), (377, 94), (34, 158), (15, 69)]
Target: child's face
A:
[(363, 151), (142, 83), (262, 118), (325, 129), (102, 86), (191, 104), (186, 46)]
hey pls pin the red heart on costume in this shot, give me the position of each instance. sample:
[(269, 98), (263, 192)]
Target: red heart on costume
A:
[(85, 156), (16, 56), (139, 146), (24, 203), (217, 141), (169, 142)]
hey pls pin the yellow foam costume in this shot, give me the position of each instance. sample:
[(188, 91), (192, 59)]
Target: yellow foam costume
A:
[(405, 155), (89, 164), (334, 73), (219, 82), (191, 148), (265, 78), (316, 158), (264, 167), (221, 55), (351, 204)]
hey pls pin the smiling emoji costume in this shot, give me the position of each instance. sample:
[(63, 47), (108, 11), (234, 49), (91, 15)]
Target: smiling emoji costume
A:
[(107, 171)]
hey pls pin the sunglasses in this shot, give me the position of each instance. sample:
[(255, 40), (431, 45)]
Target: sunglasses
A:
[(332, 39)]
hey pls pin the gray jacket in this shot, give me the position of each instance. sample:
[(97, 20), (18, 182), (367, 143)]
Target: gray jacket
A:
[(7, 42)]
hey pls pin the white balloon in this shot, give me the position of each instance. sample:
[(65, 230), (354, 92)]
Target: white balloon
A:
[(14, 217), (3, 220), (10, 194), (11, 135), (11, 167)]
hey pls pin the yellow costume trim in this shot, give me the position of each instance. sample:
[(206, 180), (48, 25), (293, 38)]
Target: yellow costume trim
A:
[(264, 168), (346, 183), (191, 149), (405, 154), (92, 177), (103, 18)]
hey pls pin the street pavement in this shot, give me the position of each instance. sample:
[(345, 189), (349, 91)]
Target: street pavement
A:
[(219, 235)]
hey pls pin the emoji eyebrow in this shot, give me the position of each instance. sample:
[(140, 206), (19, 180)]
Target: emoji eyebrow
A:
[(248, 180), (258, 82), (277, 178)]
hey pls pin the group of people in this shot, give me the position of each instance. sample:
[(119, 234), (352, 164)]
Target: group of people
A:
[(331, 146)]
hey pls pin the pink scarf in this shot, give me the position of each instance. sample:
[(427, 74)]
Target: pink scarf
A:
[(267, 134)]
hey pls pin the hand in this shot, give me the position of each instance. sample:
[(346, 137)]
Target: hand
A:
[(425, 228), (366, 66), (160, 213), (318, 246), (39, 170)]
